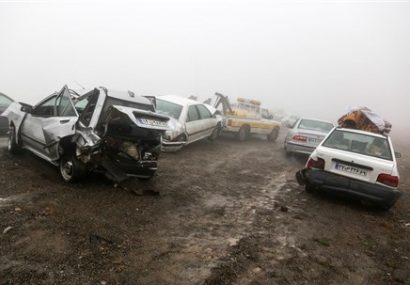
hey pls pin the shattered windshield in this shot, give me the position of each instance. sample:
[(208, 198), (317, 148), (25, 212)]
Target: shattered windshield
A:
[(169, 109), (359, 143), (314, 125)]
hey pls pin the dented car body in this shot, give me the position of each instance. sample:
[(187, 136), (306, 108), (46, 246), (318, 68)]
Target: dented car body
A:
[(115, 132)]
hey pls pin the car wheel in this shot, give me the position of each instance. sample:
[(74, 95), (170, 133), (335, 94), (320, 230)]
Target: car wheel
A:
[(215, 133), (243, 133), (12, 145), (309, 188), (71, 169), (273, 135)]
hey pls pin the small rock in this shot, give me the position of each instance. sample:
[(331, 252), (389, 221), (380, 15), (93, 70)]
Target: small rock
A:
[(356, 255), (284, 208), (103, 282), (256, 270), (233, 241), (6, 230), (17, 209)]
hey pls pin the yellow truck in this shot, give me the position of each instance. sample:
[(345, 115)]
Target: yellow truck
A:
[(244, 118)]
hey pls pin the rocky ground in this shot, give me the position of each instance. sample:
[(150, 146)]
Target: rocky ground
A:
[(217, 213)]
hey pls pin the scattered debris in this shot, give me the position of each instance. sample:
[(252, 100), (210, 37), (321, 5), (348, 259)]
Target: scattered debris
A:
[(6, 230)]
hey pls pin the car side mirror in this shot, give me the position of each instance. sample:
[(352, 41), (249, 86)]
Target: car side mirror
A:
[(26, 108), (397, 154)]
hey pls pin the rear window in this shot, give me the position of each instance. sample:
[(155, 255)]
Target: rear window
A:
[(359, 143), (168, 108), (314, 125), (110, 101)]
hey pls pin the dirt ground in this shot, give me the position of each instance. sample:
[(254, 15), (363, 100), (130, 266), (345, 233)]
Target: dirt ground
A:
[(217, 213)]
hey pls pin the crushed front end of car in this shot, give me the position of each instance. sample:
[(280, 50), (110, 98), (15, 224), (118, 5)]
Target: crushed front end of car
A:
[(125, 143)]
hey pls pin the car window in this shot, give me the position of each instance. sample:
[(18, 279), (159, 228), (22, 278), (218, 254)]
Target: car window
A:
[(65, 107), (85, 107), (45, 109), (4, 101), (169, 109), (204, 112), (359, 143), (193, 114), (314, 125)]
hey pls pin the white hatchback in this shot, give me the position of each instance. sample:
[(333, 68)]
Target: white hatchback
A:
[(354, 163)]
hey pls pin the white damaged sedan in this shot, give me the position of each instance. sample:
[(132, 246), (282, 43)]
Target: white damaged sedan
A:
[(190, 121)]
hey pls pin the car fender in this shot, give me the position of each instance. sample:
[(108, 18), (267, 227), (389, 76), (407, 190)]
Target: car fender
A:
[(15, 116)]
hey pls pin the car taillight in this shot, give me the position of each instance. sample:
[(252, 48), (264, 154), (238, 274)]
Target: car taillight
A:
[(299, 138), (388, 180), (319, 163)]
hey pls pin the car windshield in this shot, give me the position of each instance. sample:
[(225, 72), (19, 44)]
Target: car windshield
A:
[(169, 109), (4, 101), (314, 125), (359, 143)]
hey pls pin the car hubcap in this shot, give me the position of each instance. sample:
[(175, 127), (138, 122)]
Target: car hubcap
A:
[(67, 169)]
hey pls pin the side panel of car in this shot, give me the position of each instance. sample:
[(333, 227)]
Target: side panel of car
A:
[(50, 121)]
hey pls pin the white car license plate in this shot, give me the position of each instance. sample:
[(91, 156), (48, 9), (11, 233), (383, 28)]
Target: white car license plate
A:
[(351, 169), (314, 140), (152, 122)]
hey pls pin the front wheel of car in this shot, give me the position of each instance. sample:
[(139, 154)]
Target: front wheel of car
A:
[(71, 169), (215, 133), (12, 145)]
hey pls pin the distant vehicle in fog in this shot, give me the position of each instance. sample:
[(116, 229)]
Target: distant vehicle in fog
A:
[(306, 134), (5, 102), (190, 121)]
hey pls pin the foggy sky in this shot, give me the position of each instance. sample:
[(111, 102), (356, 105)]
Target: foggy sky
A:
[(311, 58)]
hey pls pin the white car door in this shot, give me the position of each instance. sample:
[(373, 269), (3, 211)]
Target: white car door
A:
[(208, 122), (193, 124), (50, 120)]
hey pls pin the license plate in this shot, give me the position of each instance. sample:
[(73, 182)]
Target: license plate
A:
[(151, 122), (314, 140), (351, 169)]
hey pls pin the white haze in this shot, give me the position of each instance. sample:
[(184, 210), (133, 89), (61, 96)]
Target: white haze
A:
[(311, 58)]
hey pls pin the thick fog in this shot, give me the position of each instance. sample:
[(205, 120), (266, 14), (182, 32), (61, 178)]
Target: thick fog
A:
[(310, 58)]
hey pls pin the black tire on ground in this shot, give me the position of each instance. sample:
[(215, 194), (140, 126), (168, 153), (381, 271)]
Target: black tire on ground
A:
[(243, 133), (309, 188), (273, 135), (12, 145), (215, 133), (386, 207), (71, 169)]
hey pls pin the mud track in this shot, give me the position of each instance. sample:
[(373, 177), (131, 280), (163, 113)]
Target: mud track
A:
[(217, 213)]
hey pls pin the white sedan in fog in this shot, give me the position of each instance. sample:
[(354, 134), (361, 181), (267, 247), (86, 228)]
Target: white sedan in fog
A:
[(305, 135), (190, 121)]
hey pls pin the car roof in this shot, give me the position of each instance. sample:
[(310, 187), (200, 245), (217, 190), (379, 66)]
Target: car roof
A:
[(313, 119), (361, 132), (178, 100), (4, 95)]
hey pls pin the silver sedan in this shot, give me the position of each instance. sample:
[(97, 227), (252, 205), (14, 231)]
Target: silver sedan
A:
[(305, 135)]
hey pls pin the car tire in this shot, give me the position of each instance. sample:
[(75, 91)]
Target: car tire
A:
[(273, 135), (71, 169), (12, 145), (309, 188), (215, 133), (243, 133), (386, 207)]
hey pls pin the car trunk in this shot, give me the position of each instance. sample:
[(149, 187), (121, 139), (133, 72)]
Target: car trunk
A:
[(354, 165)]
